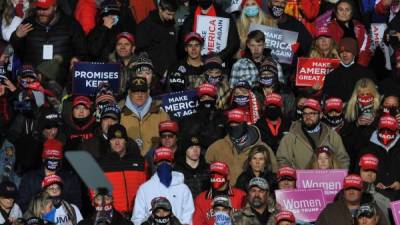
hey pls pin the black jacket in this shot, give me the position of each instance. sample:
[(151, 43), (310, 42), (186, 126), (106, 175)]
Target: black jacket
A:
[(159, 40), (76, 135), (64, 33), (31, 184), (266, 134), (117, 219), (341, 81), (390, 85), (245, 177)]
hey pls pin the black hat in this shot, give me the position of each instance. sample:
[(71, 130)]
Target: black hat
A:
[(117, 131), (142, 61), (189, 141), (138, 84), (367, 210), (177, 81), (8, 189), (109, 7), (34, 221), (213, 61), (160, 203), (50, 118), (112, 111)]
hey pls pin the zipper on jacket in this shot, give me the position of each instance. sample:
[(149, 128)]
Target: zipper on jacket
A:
[(126, 190)]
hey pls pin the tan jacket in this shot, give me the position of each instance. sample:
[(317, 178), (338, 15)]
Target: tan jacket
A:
[(223, 150), (295, 150), (145, 130)]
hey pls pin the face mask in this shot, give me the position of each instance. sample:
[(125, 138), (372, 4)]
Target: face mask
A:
[(104, 213), (205, 4), (52, 164), (347, 65), (164, 172), (161, 220), (177, 86), (106, 207), (273, 113), (241, 100), (214, 80), (267, 81), (277, 11), (222, 218), (251, 11), (386, 136), (299, 113), (217, 181), (333, 121), (313, 128), (50, 216), (393, 111), (237, 131), (56, 201), (207, 104), (80, 122)]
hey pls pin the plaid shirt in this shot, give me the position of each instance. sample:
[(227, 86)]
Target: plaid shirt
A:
[(244, 69)]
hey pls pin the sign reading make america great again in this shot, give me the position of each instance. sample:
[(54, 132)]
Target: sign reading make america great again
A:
[(214, 31), (311, 71), (180, 104)]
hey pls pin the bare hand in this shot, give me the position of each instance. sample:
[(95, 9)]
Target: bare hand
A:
[(9, 85), (317, 86), (108, 21), (365, 121), (380, 186), (72, 62), (395, 186), (23, 30)]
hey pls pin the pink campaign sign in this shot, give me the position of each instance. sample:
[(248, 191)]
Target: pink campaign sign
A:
[(305, 204), (395, 206), (331, 181)]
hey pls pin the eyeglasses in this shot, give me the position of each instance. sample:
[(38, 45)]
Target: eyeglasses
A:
[(54, 188), (167, 135), (310, 114)]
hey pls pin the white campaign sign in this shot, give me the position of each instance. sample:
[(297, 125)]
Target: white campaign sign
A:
[(214, 31)]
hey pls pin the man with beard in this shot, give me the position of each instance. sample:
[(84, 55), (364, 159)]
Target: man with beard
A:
[(46, 33), (333, 113), (260, 208), (385, 145), (298, 146)]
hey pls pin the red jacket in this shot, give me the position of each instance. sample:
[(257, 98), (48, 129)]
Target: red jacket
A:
[(141, 9), (305, 11), (203, 214), (363, 40), (85, 14)]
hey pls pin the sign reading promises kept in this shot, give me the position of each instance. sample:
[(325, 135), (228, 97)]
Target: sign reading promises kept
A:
[(179, 104), (88, 76), (305, 204), (311, 71), (214, 31), (279, 41)]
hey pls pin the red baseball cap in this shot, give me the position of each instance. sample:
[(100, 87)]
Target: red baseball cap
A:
[(312, 104), (322, 31), (193, 36), (128, 36), (259, 3), (44, 4), (324, 149), (273, 99), (52, 149), (236, 116), (285, 216), (352, 181), (82, 100), (388, 122), (168, 126), (207, 89), (286, 172), (220, 168), (163, 153), (51, 179), (334, 104), (369, 162)]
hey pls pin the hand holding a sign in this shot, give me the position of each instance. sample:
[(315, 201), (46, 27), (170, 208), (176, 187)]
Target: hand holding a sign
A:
[(23, 30), (395, 186)]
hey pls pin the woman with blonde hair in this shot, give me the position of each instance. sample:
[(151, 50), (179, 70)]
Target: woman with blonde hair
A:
[(324, 159), (324, 46), (257, 164), (12, 16), (42, 207)]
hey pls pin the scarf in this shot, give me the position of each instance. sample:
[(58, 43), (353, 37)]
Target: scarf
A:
[(348, 31), (140, 111), (197, 12)]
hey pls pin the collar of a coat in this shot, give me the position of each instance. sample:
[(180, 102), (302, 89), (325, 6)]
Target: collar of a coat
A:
[(296, 130), (232, 146), (155, 107)]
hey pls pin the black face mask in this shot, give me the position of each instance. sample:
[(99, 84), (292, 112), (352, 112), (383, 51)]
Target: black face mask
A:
[(205, 4), (177, 87), (277, 11), (52, 164), (213, 80), (273, 113), (238, 131), (161, 220), (207, 104), (81, 121), (56, 201), (299, 113), (333, 121)]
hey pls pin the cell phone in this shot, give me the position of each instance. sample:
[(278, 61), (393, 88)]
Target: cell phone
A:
[(3, 79)]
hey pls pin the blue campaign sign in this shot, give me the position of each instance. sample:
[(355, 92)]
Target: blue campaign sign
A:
[(180, 104), (87, 76)]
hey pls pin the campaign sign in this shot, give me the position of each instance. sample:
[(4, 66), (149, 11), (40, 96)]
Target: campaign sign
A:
[(395, 206), (305, 204), (180, 104), (214, 31), (87, 76), (331, 181), (279, 41), (311, 71), (377, 32)]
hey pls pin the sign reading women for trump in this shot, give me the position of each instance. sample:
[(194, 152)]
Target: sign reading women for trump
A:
[(279, 41), (331, 181), (214, 31), (305, 204), (311, 71), (179, 104), (88, 76), (395, 206)]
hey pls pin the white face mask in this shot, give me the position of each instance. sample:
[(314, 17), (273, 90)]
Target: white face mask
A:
[(222, 218), (347, 65)]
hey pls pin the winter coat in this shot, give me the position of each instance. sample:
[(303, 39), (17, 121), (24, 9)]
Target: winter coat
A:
[(389, 161), (305, 11), (246, 217), (96, 146), (77, 135), (159, 40), (197, 179), (341, 81), (362, 36), (141, 9), (125, 174), (223, 150), (64, 33), (85, 14), (390, 85), (296, 151), (233, 41), (203, 214), (266, 134), (177, 193), (117, 219), (144, 130), (31, 184), (173, 221), (245, 177)]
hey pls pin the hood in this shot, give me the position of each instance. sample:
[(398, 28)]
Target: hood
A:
[(374, 139), (177, 178), (295, 129)]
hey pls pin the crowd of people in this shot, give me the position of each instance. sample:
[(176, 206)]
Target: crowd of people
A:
[(251, 129)]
